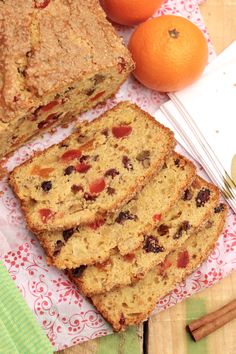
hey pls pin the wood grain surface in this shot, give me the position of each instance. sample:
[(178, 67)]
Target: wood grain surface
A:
[(165, 333)]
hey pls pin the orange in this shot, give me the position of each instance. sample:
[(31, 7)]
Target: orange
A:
[(170, 53), (130, 12)]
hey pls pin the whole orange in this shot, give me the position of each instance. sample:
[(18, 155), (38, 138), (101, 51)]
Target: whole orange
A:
[(170, 53), (130, 12)]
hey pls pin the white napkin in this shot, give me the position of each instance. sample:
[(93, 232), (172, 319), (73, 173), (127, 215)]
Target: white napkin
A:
[(203, 117)]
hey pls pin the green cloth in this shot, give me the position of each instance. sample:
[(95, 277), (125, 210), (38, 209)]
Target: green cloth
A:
[(19, 331)]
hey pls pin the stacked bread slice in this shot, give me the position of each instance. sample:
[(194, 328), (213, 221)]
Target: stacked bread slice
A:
[(116, 206)]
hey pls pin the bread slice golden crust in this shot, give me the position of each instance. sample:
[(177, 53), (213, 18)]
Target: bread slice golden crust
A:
[(188, 214), (93, 172), (126, 228), (132, 304)]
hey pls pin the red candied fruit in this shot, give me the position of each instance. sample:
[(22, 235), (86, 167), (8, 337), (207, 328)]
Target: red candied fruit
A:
[(82, 167), (183, 259), (49, 106), (121, 131), (46, 215), (96, 224), (41, 4), (71, 155), (98, 95), (156, 217), (97, 186)]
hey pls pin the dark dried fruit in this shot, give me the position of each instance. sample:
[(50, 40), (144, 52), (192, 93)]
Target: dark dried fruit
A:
[(105, 132), (164, 166), (185, 226), (144, 158), (58, 246), (122, 320), (187, 195), (90, 197), (76, 188), (111, 173), (46, 186), (77, 272), (49, 121), (67, 234), (90, 91), (163, 229), (125, 215), (129, 257), (127, 163), (84, 158), (219, 208), (68, 171), (202, 197), (98, 78), (151, 245), (110, 190), (177, 162)]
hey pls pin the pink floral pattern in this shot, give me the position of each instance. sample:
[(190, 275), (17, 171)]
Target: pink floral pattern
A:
[(65, 315)]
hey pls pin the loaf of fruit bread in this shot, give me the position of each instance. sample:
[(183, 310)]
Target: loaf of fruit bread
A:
[(132, 304), (188, 214), (86, 245), (95, 171), (57, 59)]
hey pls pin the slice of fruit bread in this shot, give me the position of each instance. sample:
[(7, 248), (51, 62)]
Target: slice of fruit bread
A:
[(188, 214), (132, 304), (84, 245), (94, 171)]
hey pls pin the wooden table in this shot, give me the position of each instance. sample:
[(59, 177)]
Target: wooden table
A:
[(165, 333)]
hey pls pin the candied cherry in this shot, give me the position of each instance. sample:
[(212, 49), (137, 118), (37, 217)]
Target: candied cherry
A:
[(121, 131), (97, 186), (71, 155)]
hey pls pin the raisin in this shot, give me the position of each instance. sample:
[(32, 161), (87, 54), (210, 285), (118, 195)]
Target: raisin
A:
[(111, 173), (90, 197), (125, 215), (219, 208), (122, 319), (163, 229), (76, 188), (68, 171), (202, 197), (177, 162), (151, 245), (164, 166), (89, 92), (77, 272), (110, 190), (185, 226), (187, 195), (50, 120), (98, 78), (46, 186), (67, 234), (144, 158), (84, 158), (127, 163), (105, 132), (58, 246)]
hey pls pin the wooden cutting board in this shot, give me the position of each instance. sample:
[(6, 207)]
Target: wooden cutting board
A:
[(165, 333)]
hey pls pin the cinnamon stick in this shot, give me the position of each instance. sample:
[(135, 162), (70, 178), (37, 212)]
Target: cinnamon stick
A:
[(211, 322)]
